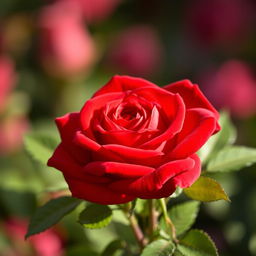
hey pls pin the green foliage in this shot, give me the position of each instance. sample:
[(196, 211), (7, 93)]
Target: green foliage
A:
[(80, 250), (95, 216), (197, 243), (21, 203), (113, 247), (206, 189), (232, 158), (50, 213), (159, 248), (40, 146), (226, 136), (183, 215)]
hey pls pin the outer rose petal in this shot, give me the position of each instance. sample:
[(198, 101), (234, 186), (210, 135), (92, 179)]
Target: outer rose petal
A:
[(122, 84), (97, 193), (192, 96), (187, 178), (62, 161), (68, 125), (118, 170), (199, 125), (149, 185), (134, 155)]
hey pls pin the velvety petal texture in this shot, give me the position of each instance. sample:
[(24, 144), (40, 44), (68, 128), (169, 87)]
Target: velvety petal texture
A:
[(133, 139)]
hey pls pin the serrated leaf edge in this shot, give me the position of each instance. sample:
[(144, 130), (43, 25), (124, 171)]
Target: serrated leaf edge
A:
[(209, 238)]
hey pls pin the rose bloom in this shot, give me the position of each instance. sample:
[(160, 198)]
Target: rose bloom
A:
[(7, 80), (95, 10), (133, 139), (219, 22), (48, 243), (136, 51), (66, 47), (232, 87), (12, 130)]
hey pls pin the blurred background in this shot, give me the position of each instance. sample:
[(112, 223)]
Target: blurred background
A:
[(55, 54)]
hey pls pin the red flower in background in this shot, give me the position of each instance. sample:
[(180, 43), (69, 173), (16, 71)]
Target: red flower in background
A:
[(66, 47), (95, 10), (233, 87), (7, 79), (48, 243), (12, 125), (12, 130), (136, 51), (219, 22), (133, 139)]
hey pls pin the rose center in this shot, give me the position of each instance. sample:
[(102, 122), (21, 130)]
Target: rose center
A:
[(129, 113)]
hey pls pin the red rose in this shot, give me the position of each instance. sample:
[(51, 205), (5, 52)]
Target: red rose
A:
[(133, 139)]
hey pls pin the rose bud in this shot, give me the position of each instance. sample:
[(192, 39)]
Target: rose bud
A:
[(7, 79), (95, 10), (233, 87), (66, 48), (219, 22), (133, 139), (136, 51)]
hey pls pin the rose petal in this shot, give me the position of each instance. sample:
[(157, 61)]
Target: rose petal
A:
[(135, 155), (85, 142), (115, 169), (96, 104), (122, 84), (187, 178), (192, 96), (148, 186), (163, 99), (62, 161), (174, 127), (199, 125), (68, 125), (96, 193)]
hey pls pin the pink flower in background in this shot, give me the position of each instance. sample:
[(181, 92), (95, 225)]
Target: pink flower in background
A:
[(7, 79), (233, 87), (12, 130), (219, 22), (136, 51), (48, 243), (95, 10), (66, 47)]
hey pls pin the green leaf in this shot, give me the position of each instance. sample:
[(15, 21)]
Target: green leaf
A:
[(226, 136), (178, 253), (232, 158), (159, 248), (50, 213), (40, 146), (176, 193), (95, 216), (206, 189), (197, 243), (183, 215), (113, 247)]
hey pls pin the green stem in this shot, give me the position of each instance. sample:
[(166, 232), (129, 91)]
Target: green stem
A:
[(141, 240), (168, 221), (152, 217)]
